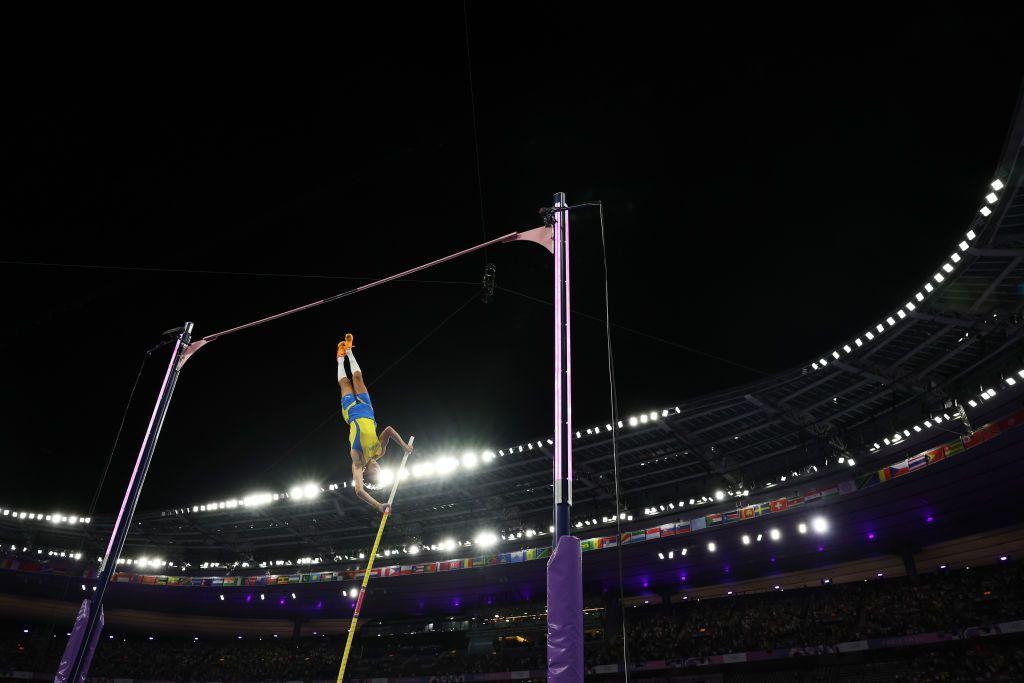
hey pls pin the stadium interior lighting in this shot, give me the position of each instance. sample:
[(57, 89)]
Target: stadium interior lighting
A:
[(353, 592), (222, 597), (997, 184), (801, 527), (712, 547), (445, 465), (719, 495), (819, 524), (683, 552), (745, 539), (774, 534), (414, 549), (469, 460), (991, 198)]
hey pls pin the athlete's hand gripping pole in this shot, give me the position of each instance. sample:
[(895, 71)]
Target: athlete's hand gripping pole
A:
[(369, 565)]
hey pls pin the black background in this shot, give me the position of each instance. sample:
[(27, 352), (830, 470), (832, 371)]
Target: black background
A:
[(774, 184)]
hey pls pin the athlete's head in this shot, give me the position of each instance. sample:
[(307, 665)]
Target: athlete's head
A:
[(372, 472)]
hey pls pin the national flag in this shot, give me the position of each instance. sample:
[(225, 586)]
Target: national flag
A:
[(899, 469), (747, 512), (779, 505), (796, 500), (846, 486), (830, 491), (979, 437), (589, 544), (149, 580), (633, 537), (733, 516), (520, 556), (812, 495), (713, 519), (654, 532), (1015, 420), (697, 524), (954, 448), (916, 462), (935, 455)]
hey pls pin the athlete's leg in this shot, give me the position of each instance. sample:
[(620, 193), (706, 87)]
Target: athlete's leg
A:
[(357, 374), (343, 381)]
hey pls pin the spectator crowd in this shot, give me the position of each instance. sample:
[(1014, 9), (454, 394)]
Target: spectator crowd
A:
[(805, 618)]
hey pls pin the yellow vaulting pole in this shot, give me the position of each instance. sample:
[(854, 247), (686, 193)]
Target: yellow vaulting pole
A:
[(369, 565)]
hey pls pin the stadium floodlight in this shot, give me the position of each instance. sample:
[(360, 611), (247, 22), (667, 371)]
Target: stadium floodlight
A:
[(815, 366), (819, 524), (846, 347), (485, 539), (661, 556), (997, 184), (633, 422), (955, 257), (774, 534), (991, 198), (745, 539), (901, 314), (948, 268), (263, 596), (445, 465), (880, 328), (222, 597), (870, 335), (858, 342), (928, 287), (938, 277), (469, 460), (671, 554), (891, 321), (719, 495), (801, 527), (1011, 381), (643, 419), (910, 306), (684, 551), (835, 354), (712, 547), (353, 592), (972, 403)]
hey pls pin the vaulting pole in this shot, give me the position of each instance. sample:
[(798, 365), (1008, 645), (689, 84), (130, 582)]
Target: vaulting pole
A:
[(565, 568), (369, 566), (73, 667)]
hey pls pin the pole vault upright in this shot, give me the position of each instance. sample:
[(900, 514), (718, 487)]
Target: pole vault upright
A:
[(565, 568), (74, 664)]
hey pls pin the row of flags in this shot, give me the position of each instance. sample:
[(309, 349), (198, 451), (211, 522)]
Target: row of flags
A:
[(751, 511)]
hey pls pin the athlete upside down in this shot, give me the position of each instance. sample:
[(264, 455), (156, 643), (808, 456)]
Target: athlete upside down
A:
[(366, 448)]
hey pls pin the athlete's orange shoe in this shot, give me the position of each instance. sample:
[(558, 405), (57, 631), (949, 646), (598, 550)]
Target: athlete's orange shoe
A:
[(344, 346)]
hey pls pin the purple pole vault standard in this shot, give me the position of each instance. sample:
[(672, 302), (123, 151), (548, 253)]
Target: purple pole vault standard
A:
[(563, 376), (75, 642), (79, 668), (565, 612)]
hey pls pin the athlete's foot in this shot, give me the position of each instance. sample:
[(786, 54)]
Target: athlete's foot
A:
[(344, 346)]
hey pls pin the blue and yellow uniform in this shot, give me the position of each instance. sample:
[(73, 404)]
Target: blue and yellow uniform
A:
[(362, 433)]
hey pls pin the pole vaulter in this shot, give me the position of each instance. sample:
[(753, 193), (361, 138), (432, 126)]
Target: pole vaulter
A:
[(565, 567)]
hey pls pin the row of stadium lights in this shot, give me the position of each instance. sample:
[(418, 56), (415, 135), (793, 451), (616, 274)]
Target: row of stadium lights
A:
[(939, 277), (986, 394), (48, 552), (818, 525), (55, 518), (440, 467)]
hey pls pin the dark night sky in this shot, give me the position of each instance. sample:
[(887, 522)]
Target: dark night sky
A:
[(772, 189)]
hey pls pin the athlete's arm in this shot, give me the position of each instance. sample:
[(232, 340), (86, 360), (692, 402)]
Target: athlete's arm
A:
[(357, 477), (390, 433)]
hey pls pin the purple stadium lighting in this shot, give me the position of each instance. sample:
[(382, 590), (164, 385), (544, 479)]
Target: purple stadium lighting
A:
[(1003, 558), (929, 519), (871, 535)]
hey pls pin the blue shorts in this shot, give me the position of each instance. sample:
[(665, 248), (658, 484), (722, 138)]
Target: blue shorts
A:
[(356, 405)]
